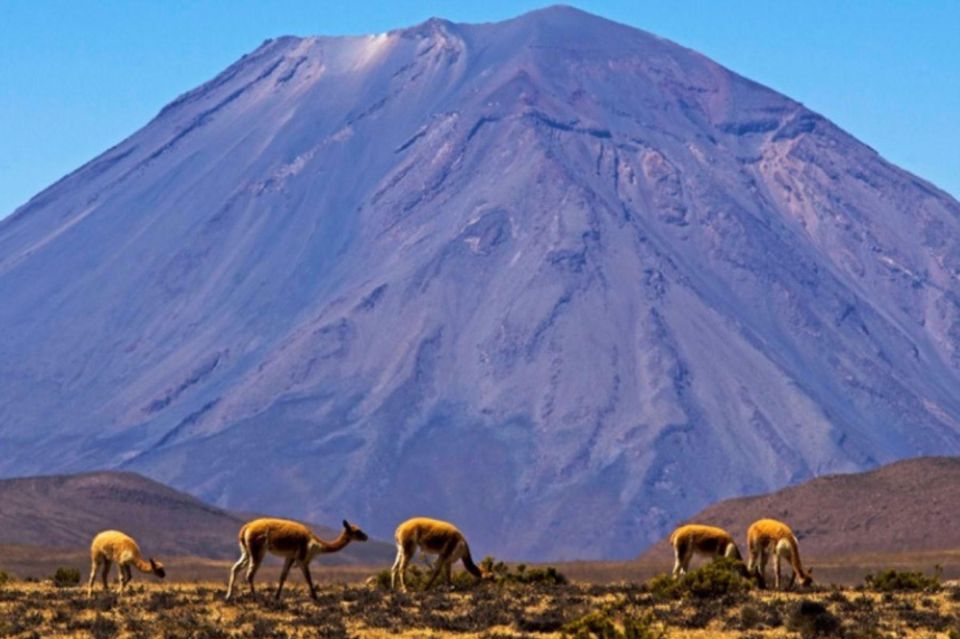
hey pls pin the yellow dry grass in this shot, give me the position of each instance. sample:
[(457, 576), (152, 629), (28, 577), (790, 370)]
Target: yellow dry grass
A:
[(152, 609)]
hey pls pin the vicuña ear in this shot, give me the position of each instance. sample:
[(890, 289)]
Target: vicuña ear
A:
[(346, 524)]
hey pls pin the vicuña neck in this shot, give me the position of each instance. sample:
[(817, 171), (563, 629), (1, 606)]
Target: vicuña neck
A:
[(337, 544)]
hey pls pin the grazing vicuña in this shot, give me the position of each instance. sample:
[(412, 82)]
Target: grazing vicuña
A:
[(433, 537), (769, 536), (703, 540), (114, 546), (288, 539)]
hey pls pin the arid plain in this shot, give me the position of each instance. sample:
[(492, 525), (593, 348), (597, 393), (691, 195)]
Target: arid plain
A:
[(491, 610)]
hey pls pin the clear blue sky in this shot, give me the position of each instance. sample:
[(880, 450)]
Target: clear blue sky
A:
[(78, 76)]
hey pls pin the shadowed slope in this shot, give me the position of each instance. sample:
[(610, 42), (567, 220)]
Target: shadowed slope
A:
[(905, 507), (66, 511)]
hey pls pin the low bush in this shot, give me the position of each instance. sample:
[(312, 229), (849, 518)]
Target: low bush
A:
[(521, 574), (4, 578), (888, 581), (416, 579), (749, 618), (811, 619), (716, 579), (600, 624), (66, 577)]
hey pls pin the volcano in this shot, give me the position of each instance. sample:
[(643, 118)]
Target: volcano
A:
[(556, 279)]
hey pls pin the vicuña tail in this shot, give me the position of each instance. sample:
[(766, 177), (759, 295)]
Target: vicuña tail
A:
[(470, 566)]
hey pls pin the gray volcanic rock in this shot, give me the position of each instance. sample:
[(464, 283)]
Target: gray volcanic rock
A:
[(556, 279)]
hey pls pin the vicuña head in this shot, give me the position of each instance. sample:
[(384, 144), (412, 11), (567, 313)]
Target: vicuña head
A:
[(288, 539), (767, 537), (113, 546), (434, 537), (702, 540)]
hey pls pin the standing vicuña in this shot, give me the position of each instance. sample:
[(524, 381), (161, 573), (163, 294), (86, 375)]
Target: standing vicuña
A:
[(433, 537), (288, 539), (769, 536), (702, 540), (114, 546)]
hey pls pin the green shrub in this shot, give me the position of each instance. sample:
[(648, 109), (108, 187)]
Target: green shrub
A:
[(417, 577), (812, 619), (716, 579), (901, 581), (600, 625), (4, 578), (66, 577), (750, 617), (522, 574)]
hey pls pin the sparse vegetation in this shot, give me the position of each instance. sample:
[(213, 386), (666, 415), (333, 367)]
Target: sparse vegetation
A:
[(522, 574), (903, 581), (716, 579), (813, 619), (710, 604), (417, 576), (66, 577), (600, 624)]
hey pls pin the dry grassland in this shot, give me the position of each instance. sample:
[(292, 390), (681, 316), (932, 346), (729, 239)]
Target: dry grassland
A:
[(497, 610)]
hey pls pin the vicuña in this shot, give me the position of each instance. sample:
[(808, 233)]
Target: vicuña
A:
[(288, 539), (433, 537), (112, 546), (702, 540), (769, 536)]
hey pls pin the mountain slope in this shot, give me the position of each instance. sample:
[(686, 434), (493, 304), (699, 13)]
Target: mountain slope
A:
[(66, 511), (556, 279), (903, 507)]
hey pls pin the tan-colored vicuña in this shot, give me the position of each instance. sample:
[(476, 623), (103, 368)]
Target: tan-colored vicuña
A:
[(288, 539), (434, 537), (769, 536), (114, 546), (702, 540)]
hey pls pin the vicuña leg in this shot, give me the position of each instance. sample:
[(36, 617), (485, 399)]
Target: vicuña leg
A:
[(93, 576), (305, 567), (394, 571), (444, 559), (776, 569), (125, 576), (764, 558), (256, 558), (406, 554), (283, 575), (682, 556), (237, 567)]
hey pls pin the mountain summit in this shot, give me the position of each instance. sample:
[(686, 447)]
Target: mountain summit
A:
[(556, 279)]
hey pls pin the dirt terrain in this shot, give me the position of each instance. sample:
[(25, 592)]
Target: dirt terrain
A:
[(490, 610)]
